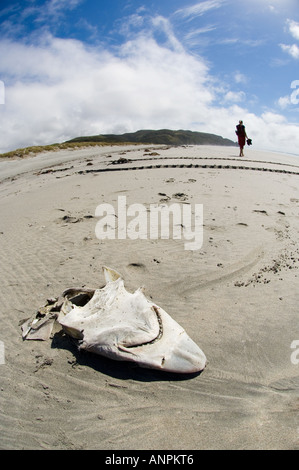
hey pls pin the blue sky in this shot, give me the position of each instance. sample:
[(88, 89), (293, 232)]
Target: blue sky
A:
[(84, 67)]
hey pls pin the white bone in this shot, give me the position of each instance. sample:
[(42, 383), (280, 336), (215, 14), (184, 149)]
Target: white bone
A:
[(123, 326)]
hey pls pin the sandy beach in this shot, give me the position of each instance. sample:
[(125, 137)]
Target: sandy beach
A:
[(236, 296)]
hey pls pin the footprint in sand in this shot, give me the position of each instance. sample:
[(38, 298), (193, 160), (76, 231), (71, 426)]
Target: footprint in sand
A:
[(180, 196), (261, 212), (137, 266)]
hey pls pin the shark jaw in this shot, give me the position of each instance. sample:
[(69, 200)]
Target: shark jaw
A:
[(123, 326)]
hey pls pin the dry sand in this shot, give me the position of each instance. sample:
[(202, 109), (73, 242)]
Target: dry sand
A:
[(237, 297)]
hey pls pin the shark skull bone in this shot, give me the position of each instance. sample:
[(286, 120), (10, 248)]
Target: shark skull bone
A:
[(128, 327)]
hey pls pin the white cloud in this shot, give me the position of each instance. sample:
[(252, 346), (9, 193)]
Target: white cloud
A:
[(131, 23), (198, 36), (48, 17), (284, 102), (293, 28), (59, 89), (198, 31), (292, 50), (240, 78), (234, 96), (162, 24), (55, 8), (198, 9)]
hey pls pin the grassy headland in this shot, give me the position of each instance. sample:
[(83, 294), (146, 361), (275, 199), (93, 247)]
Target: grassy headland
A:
[(160, 137)]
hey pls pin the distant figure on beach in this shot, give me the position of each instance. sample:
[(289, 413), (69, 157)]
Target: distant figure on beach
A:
[(242, 136)]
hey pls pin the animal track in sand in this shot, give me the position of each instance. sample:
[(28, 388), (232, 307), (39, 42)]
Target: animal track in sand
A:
[(190, 165), (68, 219), (137, 266), (215, 158), (285, 261)]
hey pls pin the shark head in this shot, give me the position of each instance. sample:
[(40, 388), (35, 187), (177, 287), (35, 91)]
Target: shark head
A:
[(124, 326), (128, 327)]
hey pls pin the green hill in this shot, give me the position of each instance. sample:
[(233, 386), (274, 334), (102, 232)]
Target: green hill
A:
[(163, 136)]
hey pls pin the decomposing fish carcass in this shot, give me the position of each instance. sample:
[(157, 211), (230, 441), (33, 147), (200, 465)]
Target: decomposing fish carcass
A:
[(126, 326)]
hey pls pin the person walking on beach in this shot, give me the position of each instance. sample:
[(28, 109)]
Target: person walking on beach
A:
[(242, 136)]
